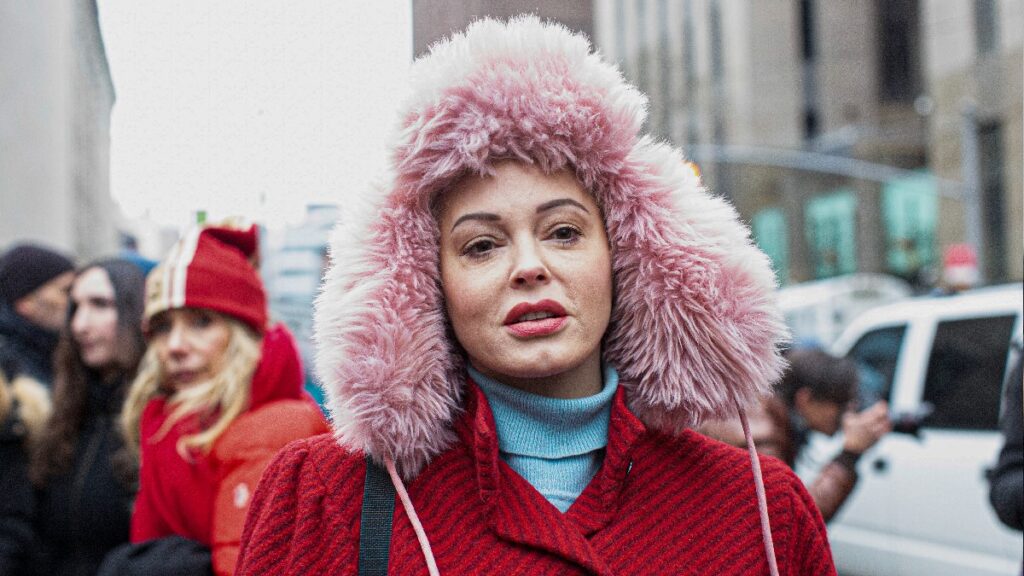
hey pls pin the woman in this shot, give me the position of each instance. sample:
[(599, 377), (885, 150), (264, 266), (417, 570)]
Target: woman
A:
[(217, 395), (84, 476), (540, 305)]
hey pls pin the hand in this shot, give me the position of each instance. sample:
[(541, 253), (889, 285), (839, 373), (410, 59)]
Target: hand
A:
[(861, 430)]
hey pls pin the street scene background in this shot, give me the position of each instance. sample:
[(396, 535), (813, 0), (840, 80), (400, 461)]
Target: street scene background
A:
[(868, 144)]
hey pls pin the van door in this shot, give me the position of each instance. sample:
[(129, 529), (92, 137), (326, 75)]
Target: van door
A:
[(863, 531), (958, 444)]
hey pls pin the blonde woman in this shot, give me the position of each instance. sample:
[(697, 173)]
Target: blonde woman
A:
[(217, 395)]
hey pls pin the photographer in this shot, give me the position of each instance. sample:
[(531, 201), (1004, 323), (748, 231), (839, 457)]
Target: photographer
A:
[(815, 393)]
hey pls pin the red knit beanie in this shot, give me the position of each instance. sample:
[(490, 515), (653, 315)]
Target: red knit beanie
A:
[(212, 267)]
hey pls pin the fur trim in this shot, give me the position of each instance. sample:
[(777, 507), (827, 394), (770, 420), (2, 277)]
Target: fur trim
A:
[(694, 328), (31, 400)]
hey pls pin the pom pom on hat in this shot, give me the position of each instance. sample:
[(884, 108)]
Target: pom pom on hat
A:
[(212, 267)]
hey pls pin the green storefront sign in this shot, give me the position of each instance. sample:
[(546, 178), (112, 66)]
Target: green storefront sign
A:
[(830, 225), (769, 230), (909, 212)]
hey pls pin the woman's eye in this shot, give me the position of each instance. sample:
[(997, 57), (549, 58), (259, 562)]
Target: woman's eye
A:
[(479, 248), (202, 320), (103, 303), (566, 234)]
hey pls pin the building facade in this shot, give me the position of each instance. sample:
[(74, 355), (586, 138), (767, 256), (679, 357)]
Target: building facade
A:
[(292, 268), (436, 19), (837, 128), (55, 128)]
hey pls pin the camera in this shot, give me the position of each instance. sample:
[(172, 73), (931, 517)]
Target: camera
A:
[(910, 421)]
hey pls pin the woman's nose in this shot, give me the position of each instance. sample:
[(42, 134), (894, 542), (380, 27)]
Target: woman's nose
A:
[(79, 322), (176, 340), (530, 269)]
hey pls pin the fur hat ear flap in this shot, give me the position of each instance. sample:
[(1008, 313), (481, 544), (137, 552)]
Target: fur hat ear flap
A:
[(392, 381), (694, 328)]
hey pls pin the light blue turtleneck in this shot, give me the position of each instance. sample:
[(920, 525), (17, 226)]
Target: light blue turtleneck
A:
[(556, 444)]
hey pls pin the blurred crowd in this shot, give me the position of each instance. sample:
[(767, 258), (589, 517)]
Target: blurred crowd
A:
[(138, 417), (138, 414)]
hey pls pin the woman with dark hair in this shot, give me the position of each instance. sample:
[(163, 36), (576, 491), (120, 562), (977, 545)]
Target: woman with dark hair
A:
[(84, 476)]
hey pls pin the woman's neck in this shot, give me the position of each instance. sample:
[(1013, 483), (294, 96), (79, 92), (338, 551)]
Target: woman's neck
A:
[(579, 382)]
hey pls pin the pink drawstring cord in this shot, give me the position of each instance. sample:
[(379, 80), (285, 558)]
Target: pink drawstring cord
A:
[(762, 501), (428, 554)]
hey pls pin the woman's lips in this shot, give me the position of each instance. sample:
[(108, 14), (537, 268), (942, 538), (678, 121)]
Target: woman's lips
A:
[(553, 321), (535, 328), (183, 377)]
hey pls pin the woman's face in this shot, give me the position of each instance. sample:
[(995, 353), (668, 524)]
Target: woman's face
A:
[(526, 272), (190, 345), (94, 321)]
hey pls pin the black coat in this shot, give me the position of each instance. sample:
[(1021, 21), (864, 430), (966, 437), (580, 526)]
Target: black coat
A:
[(25, 350), (1007, 481), (85, 512), (16, 498)]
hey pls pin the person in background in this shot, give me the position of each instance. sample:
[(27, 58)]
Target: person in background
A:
[(24, 408), (815, 393), (959, 270), (517, 337), (34, 282), (217, 395), (1006, 483), (83, 474)]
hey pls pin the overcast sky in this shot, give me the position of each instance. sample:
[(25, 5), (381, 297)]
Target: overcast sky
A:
[(254, 108)]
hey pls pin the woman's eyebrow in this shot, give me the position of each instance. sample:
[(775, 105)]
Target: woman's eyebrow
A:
[(561, 202), (486, 216), (549, 205)]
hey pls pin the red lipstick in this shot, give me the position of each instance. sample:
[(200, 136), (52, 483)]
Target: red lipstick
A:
[(527, 320)]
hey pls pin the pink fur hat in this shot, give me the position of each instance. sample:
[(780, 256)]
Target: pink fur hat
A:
[(694, 328)]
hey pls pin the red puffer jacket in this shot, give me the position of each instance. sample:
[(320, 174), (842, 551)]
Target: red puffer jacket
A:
[(206, 497)]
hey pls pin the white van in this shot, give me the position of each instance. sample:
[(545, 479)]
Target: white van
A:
[(817, 311), (921, 507)]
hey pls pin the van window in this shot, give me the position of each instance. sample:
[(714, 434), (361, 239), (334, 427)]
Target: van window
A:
[(965, 372), (875, 354)]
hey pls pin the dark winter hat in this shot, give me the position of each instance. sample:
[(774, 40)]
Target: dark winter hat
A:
[(26, 267), (212, 267)]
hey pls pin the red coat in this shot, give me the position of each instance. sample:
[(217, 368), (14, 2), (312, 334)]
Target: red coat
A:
[(658, 505), (206, 497)]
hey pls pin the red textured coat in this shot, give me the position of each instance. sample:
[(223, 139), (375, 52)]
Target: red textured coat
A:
[(658, 505), (206, 498)]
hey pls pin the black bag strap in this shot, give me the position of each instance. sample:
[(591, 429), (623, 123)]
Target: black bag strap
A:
[(375, 523)]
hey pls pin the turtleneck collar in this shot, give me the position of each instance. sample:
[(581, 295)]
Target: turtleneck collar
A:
[(542, 427)]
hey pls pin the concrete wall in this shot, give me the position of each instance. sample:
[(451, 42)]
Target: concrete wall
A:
[(55, 127)]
